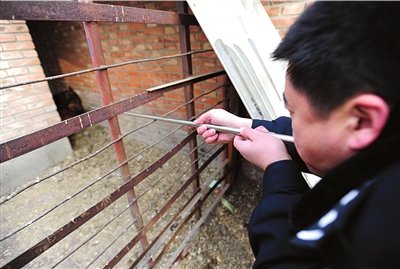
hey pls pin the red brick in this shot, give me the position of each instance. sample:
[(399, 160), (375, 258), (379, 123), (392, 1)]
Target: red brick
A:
[(6, 121), (7, 81), (13, 28), (154, 31), (17, 71), (6, 55), (45, 117), (19, 124), (171, 30), (23, 37), (7, 37), (3, 74), (20, 45), (23, 62), (35, 69), (30, 77), (28, 114), (30, 53), (273, 10), (53, 120), (4, 65), (39, 104), (293, 8), (50, 108), (283, 22)]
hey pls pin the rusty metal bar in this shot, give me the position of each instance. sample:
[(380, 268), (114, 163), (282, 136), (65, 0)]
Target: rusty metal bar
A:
[(161, 212), (103, 67), (19, 146), (199, 198), (168, 230), (184, 39), (145, 210), (31, 184), (74, 11), (97, 57), (36, 250), (197, 226), (84, 188)]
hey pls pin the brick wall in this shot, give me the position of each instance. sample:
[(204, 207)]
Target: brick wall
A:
[(284, 13), (123, 42), (127, 41), (26, 108), (32, 106)]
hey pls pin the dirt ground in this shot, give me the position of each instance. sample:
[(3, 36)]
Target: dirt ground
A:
[(221, 243)]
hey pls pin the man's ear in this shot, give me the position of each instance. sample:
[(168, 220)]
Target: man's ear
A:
[(369, 114)]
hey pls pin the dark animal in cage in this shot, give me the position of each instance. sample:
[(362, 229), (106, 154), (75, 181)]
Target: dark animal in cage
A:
[(69, 105)]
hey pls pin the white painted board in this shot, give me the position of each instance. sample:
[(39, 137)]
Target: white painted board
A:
[(243, 37)]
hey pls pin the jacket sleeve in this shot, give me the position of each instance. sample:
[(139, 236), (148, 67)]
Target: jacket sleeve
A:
[(269, 226), (283, 125)]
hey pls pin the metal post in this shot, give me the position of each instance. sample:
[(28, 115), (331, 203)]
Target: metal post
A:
[(97, 57), (184, 37)]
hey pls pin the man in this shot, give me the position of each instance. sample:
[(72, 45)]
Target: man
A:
[(342, 91)]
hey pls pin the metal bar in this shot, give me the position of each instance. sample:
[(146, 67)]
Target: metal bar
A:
[(19, 146), (97, 57), (36, 250), (150, 224), (200, 198), (184, 40), (196, 228), (168, 230), (145, 210), (103, 67), (155, 246), (84, 188), (73, 11), (219, 128)]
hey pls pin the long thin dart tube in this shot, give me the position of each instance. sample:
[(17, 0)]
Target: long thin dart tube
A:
[(223, 129)]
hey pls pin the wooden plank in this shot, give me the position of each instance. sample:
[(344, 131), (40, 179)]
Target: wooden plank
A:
[(243, 38), (75, 11)]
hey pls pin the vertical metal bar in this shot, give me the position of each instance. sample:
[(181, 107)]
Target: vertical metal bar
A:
[(97, 57), (184, 38), (231, 153)]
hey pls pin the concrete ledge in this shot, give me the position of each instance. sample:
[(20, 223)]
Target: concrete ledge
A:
[(19, 171)]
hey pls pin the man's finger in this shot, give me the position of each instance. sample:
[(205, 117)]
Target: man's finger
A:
[(262, 129)]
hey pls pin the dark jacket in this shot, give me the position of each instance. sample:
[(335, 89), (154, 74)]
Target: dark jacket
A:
[(350, 219)]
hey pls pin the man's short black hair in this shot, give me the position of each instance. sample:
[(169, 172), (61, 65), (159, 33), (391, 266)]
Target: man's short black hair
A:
[(336, 50)]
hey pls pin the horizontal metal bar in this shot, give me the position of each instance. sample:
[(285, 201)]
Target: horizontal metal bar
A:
[(19, 146), (103, 67), (195, 229), (200, 199), (161, 212), (74, 11), (35, 251)]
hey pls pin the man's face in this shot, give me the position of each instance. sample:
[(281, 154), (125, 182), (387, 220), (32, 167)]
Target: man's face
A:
[(319, 141)]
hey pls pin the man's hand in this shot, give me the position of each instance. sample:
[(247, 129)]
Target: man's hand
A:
[(260, 148), (219, 117)]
